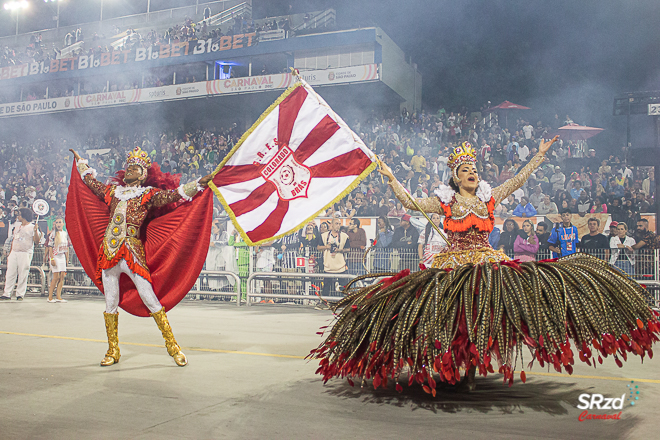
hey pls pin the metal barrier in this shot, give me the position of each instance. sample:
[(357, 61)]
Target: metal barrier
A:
[(308, 278), (297, 273), (31, 284)]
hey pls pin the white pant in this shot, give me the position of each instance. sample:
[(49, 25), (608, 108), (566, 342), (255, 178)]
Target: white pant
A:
[(110, 278), (18, 266)]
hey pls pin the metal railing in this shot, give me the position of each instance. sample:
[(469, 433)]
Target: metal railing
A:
[(297, 275)]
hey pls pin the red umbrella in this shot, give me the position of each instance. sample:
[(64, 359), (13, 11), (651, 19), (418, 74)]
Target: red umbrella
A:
[(507, 105), (574, 132)]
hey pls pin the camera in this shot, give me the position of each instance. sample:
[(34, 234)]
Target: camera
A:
[(333, 248)]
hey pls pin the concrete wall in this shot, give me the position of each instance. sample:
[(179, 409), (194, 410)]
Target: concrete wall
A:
[(398, 74)]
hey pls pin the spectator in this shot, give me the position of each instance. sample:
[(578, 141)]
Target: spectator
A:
[(543, 235), (641, 204), (564, 237), (357, 239), (557, 180), (431, 242), (594, 239), (616, 210), (598, 206), (648, 185), (58, 258), (547, 206), (508, 236), (524, 209), (577, 190), (405, 239), (526, 244), (24, 235), (207, 12), (644, 238), (622, 254), (537, 197), (616, 190), (333, 245)]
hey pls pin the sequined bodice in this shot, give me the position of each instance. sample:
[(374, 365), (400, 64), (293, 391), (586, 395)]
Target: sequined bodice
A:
[(465, 206), (469, 240)]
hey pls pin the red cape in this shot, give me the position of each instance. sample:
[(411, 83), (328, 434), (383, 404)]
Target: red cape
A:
[(175, 247)]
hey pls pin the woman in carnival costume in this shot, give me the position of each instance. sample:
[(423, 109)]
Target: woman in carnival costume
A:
[(475, 308), (143, 233)]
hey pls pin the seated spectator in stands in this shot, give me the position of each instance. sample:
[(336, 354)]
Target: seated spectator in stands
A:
[(526, 244), (594, 239), (616, 210), (405, 239), (524, 209), (543, 234), (622, 254), (648, 185), (547, 206), (604, 168), (537, 197), (598, 206), (543, 181), (583, 203), (506, 207), (577, 190), (564, 237), (508, 236), (557, 180), (631, 219), (641, 204), (396, 209), (615, 190), (508, 171)]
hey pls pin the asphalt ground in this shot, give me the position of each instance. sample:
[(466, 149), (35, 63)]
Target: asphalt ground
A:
[(247, 379)]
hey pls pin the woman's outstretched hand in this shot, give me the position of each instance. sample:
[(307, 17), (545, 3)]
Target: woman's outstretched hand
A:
[(385, 170), (545, 145)]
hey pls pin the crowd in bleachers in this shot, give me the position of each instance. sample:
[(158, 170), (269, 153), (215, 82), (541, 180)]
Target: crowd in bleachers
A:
[(415, 146)]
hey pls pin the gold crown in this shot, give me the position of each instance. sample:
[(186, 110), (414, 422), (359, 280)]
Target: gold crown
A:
[(138, 157), (462, 154)]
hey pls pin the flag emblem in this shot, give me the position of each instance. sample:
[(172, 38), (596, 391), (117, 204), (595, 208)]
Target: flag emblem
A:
[(295, 161)]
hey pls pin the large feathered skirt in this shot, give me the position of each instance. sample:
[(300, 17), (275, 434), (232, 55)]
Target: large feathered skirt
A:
[(435, 323)]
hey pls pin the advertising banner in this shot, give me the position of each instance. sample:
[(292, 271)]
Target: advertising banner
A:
[(230, 86)]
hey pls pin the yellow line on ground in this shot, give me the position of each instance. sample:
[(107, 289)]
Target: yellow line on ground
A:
[(210, 350), (288, 356), (582, 376)]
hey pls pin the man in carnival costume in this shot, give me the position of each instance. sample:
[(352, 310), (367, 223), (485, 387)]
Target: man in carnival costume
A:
[(135, 226)]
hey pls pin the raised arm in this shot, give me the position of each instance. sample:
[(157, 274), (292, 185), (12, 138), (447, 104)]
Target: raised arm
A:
[(186, 192), (429, 204), (88, 176), (507, 188)]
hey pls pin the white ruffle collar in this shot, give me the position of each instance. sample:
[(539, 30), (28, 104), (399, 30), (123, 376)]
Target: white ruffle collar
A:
[(125, 193), (446, 194)]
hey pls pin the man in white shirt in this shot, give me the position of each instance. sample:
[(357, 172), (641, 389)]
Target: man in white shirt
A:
[(523, 152), (528, 130), (24, 234)]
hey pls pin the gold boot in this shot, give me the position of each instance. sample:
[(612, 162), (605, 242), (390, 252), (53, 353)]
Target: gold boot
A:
[(112, 355), (172, 347)]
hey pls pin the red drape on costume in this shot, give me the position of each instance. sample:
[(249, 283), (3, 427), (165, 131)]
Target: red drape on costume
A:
[(176, 244)]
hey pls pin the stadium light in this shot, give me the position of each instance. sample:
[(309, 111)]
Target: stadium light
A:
[(16, 6)]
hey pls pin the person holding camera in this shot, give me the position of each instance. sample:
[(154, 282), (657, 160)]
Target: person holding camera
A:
[(334, 245)]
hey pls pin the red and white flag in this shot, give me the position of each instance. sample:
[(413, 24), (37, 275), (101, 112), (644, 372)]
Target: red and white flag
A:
[(294, 162)]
